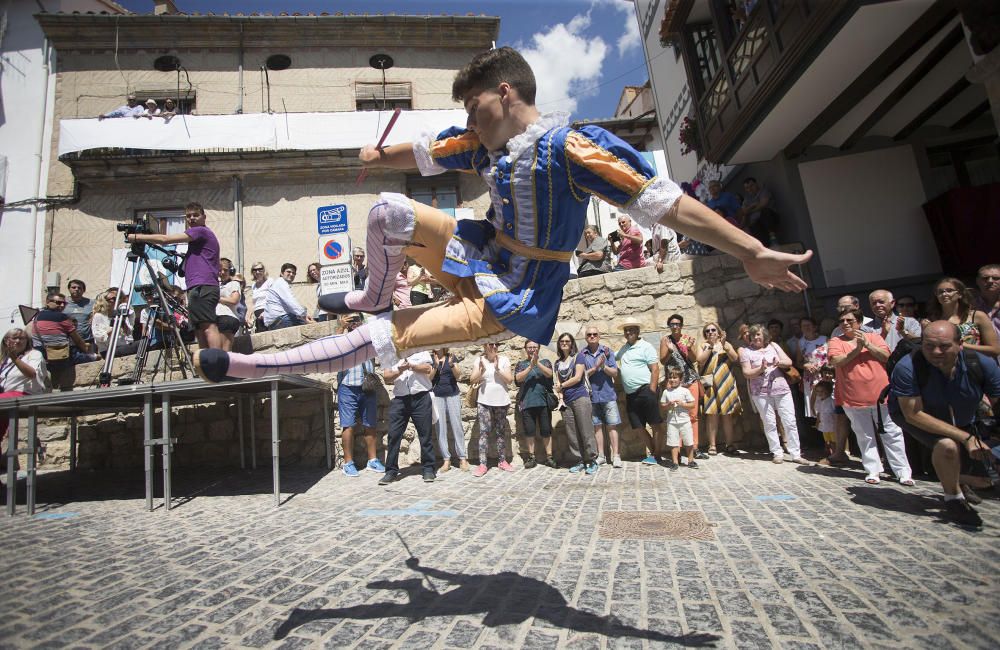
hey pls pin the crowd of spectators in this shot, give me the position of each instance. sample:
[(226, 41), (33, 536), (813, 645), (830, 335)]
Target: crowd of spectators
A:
[(811, 388)]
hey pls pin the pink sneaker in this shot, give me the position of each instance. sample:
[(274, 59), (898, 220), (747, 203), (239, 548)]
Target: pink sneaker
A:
[(479, 471), (505, 466)]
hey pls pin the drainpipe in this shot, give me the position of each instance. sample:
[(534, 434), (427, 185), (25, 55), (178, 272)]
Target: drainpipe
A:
[(239, 103), (35, 272), (238, 215)]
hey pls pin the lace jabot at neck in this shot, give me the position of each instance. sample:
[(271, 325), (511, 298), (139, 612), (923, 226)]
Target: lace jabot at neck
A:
[(535, 130)]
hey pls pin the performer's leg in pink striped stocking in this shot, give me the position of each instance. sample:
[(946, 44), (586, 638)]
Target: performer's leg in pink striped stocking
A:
[(330, 354), (390, 228)]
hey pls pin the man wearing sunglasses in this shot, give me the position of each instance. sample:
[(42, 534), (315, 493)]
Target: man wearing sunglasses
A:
[(52, 331)]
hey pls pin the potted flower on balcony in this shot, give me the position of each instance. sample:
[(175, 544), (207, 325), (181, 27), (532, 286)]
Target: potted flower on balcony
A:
[(689, 137)]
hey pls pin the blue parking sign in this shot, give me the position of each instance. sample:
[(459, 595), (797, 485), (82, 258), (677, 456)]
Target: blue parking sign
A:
[(331, 219)]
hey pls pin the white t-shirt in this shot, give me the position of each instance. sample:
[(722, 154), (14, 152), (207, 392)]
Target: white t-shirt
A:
[(826, 421), (492, 391), (11, 378), (225, 291), (679, 414), (261, 295), (410, 382)]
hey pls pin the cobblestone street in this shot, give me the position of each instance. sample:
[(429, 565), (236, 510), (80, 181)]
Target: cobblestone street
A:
[(799, 558)]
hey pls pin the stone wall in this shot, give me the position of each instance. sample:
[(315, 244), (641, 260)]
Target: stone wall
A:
[(707, 289)]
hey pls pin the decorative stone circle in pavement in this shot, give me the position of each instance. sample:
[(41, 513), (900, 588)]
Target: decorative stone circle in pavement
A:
[(649, 525)]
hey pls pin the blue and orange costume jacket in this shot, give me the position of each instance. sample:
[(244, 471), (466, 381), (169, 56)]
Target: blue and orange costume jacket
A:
[(540, 188)]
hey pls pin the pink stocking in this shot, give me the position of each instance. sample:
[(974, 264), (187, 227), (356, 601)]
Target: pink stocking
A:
[(390, 225), (330, 354)]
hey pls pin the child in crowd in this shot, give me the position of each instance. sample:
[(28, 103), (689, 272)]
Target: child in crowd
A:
[(826, 422), (675, 403)]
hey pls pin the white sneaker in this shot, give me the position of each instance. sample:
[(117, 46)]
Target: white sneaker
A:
[(601, 460), (616, 462)]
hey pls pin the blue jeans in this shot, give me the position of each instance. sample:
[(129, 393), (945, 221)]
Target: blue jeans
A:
[(287, 320)]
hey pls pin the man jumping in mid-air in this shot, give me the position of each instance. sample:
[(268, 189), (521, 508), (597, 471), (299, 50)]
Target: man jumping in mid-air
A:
[(506, 273)]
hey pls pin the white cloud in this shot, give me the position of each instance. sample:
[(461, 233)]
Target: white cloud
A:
[(567, 63), (630, 38)]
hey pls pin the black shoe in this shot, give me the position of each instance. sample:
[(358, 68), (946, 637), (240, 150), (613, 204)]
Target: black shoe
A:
[(701, 455), (669, 464), (212, 365), (551, 462), (336, 303), (959, 511), (692, 465), (389, 476), (530, 462), (731, 451), (971, 497), (429, 476)]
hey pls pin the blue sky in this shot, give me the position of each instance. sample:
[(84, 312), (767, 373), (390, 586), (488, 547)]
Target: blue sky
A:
[(583, 51)]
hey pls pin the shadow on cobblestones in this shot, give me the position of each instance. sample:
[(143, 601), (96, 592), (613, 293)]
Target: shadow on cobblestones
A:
[(898, 501), (506, 598)]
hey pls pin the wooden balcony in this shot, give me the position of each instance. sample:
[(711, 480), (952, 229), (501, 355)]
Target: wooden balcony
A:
[(777, 41)]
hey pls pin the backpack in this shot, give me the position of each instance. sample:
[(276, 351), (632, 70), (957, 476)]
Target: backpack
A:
[(922, 370)]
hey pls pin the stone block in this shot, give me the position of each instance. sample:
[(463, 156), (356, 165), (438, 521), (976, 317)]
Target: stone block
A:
[(602, 311), (742, 288), (635, 304), (674, 302), (711, 296)]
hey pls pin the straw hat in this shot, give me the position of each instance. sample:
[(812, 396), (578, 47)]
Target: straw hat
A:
[(631, 321), (150, 101)]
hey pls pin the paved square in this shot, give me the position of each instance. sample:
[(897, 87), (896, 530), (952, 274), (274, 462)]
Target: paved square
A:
[(799, 558)]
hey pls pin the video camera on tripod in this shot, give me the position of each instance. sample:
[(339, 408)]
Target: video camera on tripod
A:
[(160, 307)]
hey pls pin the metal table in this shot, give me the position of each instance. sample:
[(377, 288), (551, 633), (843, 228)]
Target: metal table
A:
[(142, 397)]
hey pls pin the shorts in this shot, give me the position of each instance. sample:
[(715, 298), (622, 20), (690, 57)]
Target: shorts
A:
[(643, 408), (229, 325), (202, 301), (540, 414), (606, 414), (353, 402), (968, 464), (679, 433)]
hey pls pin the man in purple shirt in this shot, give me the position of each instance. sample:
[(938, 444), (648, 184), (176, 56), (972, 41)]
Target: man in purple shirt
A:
[(201, 272)]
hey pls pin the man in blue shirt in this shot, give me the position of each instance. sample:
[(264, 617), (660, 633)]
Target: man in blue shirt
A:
[(601, 372), (937, 394), (727, 202)]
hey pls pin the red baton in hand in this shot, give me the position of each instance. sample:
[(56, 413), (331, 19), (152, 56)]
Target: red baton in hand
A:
[(381, 141)]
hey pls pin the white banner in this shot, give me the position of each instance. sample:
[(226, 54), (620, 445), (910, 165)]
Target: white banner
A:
[(278, 131)]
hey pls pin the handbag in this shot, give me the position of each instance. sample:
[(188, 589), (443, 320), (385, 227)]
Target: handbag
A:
[(371, 382), (708, 380), (551, 400), (792, 375), (472, 396), (56, 352)]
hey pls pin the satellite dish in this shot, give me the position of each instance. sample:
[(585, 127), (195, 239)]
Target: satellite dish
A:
[(278, 62), (167, 63), (381, 62)]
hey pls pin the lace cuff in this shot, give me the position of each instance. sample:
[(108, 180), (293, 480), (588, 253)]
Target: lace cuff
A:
[(655, 201), (380, 329), (422, 152)]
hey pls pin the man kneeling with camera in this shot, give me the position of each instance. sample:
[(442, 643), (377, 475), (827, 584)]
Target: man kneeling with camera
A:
[(936, 392)]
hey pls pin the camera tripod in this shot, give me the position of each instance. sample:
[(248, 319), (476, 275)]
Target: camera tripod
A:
[(162, 308)]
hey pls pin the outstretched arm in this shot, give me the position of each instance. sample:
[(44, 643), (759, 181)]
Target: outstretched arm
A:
[(397, 156), (763, 265)]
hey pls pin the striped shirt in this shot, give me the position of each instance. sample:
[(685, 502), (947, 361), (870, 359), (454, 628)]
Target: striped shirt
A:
[(51, 328)]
